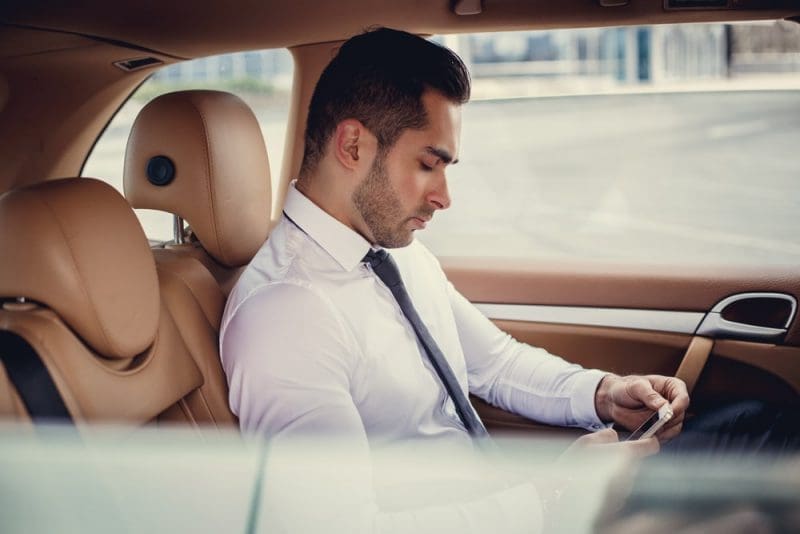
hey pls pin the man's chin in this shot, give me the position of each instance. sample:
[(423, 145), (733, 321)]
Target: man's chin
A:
[(399, 241)]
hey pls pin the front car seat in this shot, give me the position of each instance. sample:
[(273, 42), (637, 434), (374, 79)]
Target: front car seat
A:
[(200, 155), (79, 284)]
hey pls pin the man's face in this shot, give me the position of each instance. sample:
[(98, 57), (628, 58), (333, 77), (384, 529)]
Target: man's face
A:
[(407, 184)]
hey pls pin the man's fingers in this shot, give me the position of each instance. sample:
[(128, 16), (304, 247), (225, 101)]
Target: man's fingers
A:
[(669, 433), (642, 390), (678, 395), (672, 423), (643, 447), (635, 398), (607, 435), (601, 437), (673, 389), (635, 449)]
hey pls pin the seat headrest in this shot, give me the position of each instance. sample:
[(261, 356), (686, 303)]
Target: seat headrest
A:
[(75, 246), (201, 155)]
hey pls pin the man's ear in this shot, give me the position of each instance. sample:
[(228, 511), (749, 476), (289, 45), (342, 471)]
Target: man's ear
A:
[(353, 144)]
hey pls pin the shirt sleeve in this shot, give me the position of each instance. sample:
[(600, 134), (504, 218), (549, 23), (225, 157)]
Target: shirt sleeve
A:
[(290, 360), (522, 379)]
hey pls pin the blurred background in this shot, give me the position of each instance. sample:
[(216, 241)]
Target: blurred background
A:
[(650, 144)]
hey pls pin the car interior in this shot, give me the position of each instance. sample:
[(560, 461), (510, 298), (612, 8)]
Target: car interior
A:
[(127, 329)]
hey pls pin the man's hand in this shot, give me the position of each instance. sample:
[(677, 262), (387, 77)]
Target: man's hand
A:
[(562, 495), (629, 400), (606, 440)]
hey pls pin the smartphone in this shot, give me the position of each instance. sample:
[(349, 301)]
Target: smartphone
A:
[(653, 424)]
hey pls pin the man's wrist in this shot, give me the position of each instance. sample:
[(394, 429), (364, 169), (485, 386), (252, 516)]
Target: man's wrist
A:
[(602, 398)]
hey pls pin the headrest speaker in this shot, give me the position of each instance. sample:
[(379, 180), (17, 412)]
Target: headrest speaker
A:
[(160, 171)]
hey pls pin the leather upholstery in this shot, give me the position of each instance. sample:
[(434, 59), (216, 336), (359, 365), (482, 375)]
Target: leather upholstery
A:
[(96, 319), (222, 190), (222, 182), (196, 302), (75, 246), (225, 277), (94, 389)]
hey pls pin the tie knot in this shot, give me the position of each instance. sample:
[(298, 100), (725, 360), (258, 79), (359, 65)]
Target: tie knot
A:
[(375, 257), (384, 266)]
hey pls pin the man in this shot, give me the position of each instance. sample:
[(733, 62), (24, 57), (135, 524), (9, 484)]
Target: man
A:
[(314, 342)]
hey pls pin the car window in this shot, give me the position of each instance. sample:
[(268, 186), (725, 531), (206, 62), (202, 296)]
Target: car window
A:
[(261, 78), (640, 144)]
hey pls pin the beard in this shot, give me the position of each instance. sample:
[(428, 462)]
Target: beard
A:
[(379, 205)]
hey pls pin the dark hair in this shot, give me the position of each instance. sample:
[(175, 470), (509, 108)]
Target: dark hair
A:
[(378, 78)]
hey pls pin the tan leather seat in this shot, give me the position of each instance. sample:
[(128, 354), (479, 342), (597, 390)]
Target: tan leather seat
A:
[(217, 159), (221, 184), (79, 283)]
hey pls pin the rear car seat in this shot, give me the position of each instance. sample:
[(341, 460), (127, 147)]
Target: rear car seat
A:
[(200, 155), (78, 283)]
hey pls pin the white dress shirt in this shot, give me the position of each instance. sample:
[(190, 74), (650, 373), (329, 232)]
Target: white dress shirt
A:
[(313, 343)]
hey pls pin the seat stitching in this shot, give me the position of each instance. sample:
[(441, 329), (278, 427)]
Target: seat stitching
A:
[(184, 406), (191, 291), (209, 188), (82, 283)]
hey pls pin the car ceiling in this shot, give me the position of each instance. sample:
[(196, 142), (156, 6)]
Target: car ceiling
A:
[(192, 29)]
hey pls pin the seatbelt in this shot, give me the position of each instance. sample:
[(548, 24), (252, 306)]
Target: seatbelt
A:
[(32, 380)]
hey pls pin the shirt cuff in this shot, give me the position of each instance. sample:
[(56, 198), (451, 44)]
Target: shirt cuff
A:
[(582, 403)]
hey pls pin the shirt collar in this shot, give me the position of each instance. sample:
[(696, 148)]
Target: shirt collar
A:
[(345, 245)]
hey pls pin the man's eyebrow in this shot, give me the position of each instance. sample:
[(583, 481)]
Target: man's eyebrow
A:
[(442, 154)]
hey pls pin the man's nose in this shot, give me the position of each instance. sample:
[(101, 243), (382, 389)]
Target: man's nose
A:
[(439, 196)]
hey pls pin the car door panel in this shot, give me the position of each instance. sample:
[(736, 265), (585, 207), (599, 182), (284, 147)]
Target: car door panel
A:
[(634, 321), (619, 350)]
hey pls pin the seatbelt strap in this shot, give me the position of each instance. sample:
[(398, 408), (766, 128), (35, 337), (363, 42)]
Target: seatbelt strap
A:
[(32, 380)]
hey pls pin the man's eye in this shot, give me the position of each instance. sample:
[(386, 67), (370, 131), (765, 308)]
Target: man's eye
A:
[(425, 167)]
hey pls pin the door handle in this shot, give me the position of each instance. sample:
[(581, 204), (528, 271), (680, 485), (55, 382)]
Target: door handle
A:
[(736, 317)]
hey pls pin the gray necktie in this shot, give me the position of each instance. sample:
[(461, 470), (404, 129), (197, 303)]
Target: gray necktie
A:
[(384, 266)]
